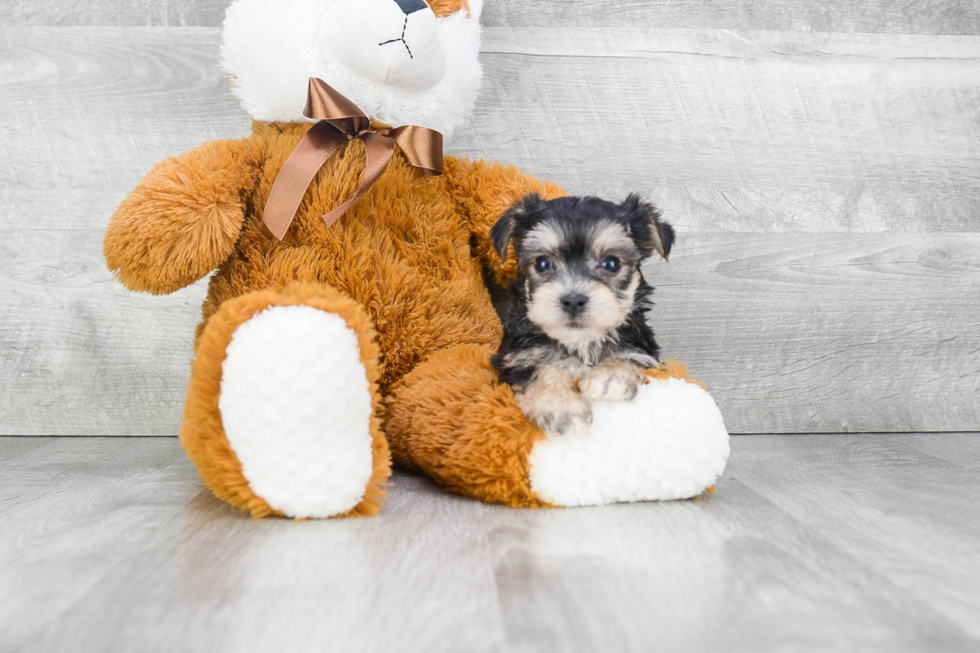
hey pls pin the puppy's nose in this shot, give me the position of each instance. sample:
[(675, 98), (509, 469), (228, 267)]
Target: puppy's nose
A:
[(574, 303), (411, 6)]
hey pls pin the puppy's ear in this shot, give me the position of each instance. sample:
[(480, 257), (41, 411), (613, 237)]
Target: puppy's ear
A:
[(650, 233), (515, 222)]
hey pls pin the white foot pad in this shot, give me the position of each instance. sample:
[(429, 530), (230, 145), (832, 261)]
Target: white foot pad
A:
[(296, 407), (669, 442)]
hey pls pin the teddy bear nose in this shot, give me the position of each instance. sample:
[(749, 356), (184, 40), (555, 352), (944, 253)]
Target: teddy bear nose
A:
[(574, 303), (409, 7)]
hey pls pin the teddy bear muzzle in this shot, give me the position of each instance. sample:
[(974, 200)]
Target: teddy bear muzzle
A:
[(391, 42)]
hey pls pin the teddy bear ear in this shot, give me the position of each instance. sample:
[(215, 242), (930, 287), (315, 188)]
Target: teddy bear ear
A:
[(443, 8), (476, 8), (649, 232), (515, 222)]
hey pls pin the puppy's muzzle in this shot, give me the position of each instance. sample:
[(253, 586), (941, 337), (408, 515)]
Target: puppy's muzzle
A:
[(574, 303)]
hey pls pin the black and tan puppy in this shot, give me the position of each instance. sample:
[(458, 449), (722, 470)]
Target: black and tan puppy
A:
[(577, 331)]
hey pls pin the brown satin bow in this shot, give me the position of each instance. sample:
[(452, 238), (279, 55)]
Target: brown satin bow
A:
[(341, 121)]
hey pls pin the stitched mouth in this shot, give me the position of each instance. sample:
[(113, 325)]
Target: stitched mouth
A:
[(400, 39)]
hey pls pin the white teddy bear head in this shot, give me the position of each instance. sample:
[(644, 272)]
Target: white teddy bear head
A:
[(397, 60)]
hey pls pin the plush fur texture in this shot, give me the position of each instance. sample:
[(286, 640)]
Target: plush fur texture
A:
[(451, 419), (183, 220)]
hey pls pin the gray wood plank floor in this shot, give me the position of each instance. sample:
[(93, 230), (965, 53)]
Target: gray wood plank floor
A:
[(818, 159), (811, 543)]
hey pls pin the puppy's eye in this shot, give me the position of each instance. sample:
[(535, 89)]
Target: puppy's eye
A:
[(543, 264), (611, 264)]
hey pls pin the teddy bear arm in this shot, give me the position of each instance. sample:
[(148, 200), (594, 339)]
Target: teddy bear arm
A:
[(183, 219), (451, 418), (483, 191)]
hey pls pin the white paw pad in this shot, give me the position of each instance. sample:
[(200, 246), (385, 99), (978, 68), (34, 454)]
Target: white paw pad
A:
[(296, 407)]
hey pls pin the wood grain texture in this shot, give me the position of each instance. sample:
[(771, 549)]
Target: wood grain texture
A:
[(855, 155), (827, 332), (142, 13), (71, 513), (744, 131), (811, 543), (867, 16), (96, 107), (911, 506), (886, 16), (734, 132)]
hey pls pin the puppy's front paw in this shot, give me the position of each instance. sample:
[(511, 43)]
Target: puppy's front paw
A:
[(565, 417), (569, 420), (611, 381)]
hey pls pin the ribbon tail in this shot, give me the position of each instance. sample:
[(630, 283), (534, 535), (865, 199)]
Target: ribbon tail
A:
[(422, 147), (290, 186), (378, 151)]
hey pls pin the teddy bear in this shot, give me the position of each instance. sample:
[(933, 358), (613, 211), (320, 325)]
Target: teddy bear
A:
[(347, 324)]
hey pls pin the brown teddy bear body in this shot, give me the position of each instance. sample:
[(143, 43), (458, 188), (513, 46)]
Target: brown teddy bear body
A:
[(403, 251), (410, 254), (412, 251)]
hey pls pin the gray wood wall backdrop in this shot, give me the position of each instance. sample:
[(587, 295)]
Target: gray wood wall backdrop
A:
[(820, 160)]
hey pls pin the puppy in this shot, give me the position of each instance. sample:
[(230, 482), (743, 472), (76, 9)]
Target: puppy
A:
[(577, 331)]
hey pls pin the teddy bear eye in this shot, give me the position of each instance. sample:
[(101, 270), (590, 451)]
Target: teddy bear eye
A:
[(611, 264), (543, 264)]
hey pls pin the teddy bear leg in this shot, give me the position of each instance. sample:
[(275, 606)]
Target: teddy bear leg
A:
[(451, 418), (281, 416)]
